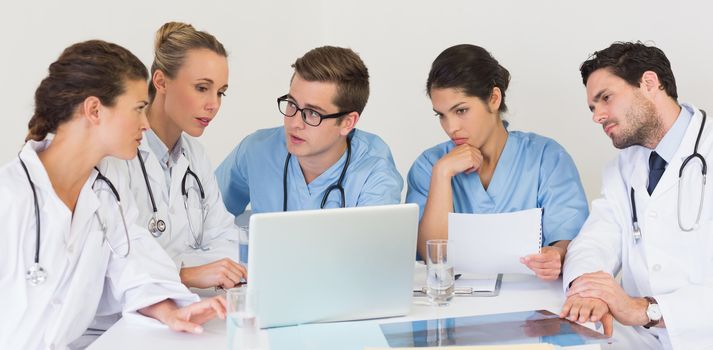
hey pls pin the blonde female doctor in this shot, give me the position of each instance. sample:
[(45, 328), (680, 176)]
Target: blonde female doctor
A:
[(70, 248), (172, 178)]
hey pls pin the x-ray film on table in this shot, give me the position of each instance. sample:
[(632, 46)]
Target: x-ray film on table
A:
[(526, 327)]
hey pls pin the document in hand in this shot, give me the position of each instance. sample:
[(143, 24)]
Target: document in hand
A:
[(494, 243)]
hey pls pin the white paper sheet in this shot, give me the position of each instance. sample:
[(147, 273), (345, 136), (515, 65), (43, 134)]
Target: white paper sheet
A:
[(494, 243), (484, 283)]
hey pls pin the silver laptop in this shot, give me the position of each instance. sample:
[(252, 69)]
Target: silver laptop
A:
[(332, 264)]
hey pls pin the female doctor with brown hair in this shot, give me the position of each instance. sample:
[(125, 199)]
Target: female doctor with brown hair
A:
[(70, 249)]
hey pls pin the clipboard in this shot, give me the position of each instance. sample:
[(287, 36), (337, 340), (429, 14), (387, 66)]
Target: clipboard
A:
[(420, 291)]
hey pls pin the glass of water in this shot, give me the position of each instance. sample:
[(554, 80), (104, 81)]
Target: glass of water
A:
[(440, 281), (244, 238), (242, 326)]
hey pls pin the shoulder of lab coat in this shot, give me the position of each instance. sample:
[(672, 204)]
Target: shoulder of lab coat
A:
[(688, 310), (13, 185)]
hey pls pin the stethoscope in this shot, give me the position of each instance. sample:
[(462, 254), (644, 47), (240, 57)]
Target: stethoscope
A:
[(704, 171), (337, 186), (36, 274), (157, 226)]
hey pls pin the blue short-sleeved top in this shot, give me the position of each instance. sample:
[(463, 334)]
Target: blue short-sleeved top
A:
[(533, 172), (253, 173)]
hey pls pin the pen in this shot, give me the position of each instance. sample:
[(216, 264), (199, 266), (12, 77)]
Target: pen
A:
[(241, 283)]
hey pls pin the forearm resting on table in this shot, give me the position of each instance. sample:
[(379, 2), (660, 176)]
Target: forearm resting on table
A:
[(159, 310)]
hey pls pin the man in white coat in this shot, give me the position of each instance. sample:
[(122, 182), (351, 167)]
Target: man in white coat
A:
[(654, 221)]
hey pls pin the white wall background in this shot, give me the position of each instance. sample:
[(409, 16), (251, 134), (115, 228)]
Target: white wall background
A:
[(542, 43)]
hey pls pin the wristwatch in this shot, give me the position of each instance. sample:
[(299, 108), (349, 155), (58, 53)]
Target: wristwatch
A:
[(653, 312)]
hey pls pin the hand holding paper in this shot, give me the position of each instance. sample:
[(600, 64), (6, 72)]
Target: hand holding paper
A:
[(547, 265)]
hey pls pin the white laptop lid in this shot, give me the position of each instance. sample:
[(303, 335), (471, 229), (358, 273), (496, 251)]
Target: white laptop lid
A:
[(332, 264)]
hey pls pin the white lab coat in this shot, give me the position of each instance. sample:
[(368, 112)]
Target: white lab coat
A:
[(221, 234), (84, 277), (673, 266)]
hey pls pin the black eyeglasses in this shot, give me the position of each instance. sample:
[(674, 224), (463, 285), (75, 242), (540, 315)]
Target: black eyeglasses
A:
[(311, 117)]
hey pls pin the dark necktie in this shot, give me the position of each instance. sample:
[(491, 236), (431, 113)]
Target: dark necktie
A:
[(657, 165)]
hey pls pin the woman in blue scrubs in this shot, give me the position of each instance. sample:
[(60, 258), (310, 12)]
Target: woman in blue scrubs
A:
[(486, 168)]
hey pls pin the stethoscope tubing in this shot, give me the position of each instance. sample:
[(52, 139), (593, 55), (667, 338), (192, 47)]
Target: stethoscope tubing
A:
[(37, 211), (339, 185), (36, 274), (156, 231), (704, 172), (146, 179)]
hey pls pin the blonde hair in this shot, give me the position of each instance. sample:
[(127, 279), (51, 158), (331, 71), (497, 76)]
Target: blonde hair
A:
[(173, 40)]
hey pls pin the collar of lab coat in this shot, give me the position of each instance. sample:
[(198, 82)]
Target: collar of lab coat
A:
[(37, 170), (153, 168), (167, 157), (633, 164), (87, 203), (156, 174), (669, 179)]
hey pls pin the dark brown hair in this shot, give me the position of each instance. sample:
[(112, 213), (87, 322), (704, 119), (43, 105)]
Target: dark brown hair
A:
[(471, 69), (629, 61), (91, 68), (340, 66)]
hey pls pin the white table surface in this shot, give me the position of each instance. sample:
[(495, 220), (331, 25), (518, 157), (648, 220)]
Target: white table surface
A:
[(517, 293)]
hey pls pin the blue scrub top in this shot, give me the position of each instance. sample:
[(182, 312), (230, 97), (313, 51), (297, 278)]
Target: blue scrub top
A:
[(533, 172), (253, 172)]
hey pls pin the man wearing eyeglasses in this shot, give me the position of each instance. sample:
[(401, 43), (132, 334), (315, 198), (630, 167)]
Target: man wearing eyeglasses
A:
[(318, 159)]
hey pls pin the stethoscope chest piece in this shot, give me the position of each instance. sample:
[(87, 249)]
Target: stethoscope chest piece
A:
[(637, 234), (36, 275), (156, 227)]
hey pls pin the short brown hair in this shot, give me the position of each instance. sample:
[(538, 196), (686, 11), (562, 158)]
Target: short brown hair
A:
[(340, 66), (173, 40), (91, 68)]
